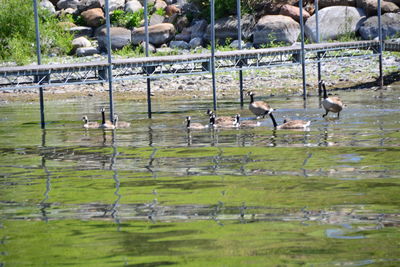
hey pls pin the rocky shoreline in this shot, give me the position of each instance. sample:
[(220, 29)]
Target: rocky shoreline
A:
[(182, 25), (287, 80)]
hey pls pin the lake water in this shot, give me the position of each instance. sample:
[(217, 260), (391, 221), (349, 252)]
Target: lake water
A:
[(156, 194)]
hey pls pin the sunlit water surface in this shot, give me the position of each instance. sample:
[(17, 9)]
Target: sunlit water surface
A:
[(156, 194)]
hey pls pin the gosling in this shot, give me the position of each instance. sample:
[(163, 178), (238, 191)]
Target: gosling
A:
[(120, 124), (89, 124)]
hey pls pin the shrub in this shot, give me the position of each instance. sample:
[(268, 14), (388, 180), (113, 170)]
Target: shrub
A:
[(17, 32)]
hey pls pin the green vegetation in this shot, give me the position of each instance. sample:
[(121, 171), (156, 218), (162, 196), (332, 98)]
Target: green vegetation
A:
[(127, 19), (17, 33)]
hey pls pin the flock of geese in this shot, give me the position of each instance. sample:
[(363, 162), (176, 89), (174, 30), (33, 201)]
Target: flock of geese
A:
[(259, 108)]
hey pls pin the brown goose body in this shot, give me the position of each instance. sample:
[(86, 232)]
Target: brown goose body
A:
[(294, 124), (120, 124), (291, 124), (247, 123), (258, 108), (195, 125), (89, 124), (331, 104), (222, 120)]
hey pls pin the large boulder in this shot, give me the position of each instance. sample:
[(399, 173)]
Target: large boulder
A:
[(397, 2), (46, 4), (120, 37), (116, 4), (185, 35), (133, 6), (179, 45), (156, 19), (80, 42), (227, 28), (158, 34), (89, 4), (159, 4), (64, 4), (86, 51), (198, 28), (293, 12), (335, 21), (93, 17), (196, 42), (276, 28), (79, 31), (326, 3), (390, 26), (371, 7)]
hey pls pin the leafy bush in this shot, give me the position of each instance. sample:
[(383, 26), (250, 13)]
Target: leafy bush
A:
[(17, 32), (128, 19)]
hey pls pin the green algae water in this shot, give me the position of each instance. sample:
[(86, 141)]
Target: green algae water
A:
[(156, 194)]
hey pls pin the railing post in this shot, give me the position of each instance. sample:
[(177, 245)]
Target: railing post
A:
[(213, 54), (109, 68), (146, 30), (238, 12), (303, 66), (39, 61), (380, 45), (318, 54)]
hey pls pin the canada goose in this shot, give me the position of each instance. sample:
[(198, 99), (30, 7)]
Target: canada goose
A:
[(105, 124), (194, 126), (291, 124), (223, 123), (332, 103), (221, 120), (247, 123), (89, 124), (259, 108), (120, 124)]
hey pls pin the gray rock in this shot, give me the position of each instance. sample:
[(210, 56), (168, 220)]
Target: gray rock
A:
[(86, 51), (198, 28), (371, 7), (120, 37), (180, 22), (184, 35), (196, 42), (158, 34), (326, 3), (81, 31), (179, 45), (151, 47), (156, 19), (64, 4), (235, 44), (46, 4), (89, 4), (335, 21), (133, 6), (159, 4), (276, 28), (227, 28), (80, 42), (390, 26), (116, 4)]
